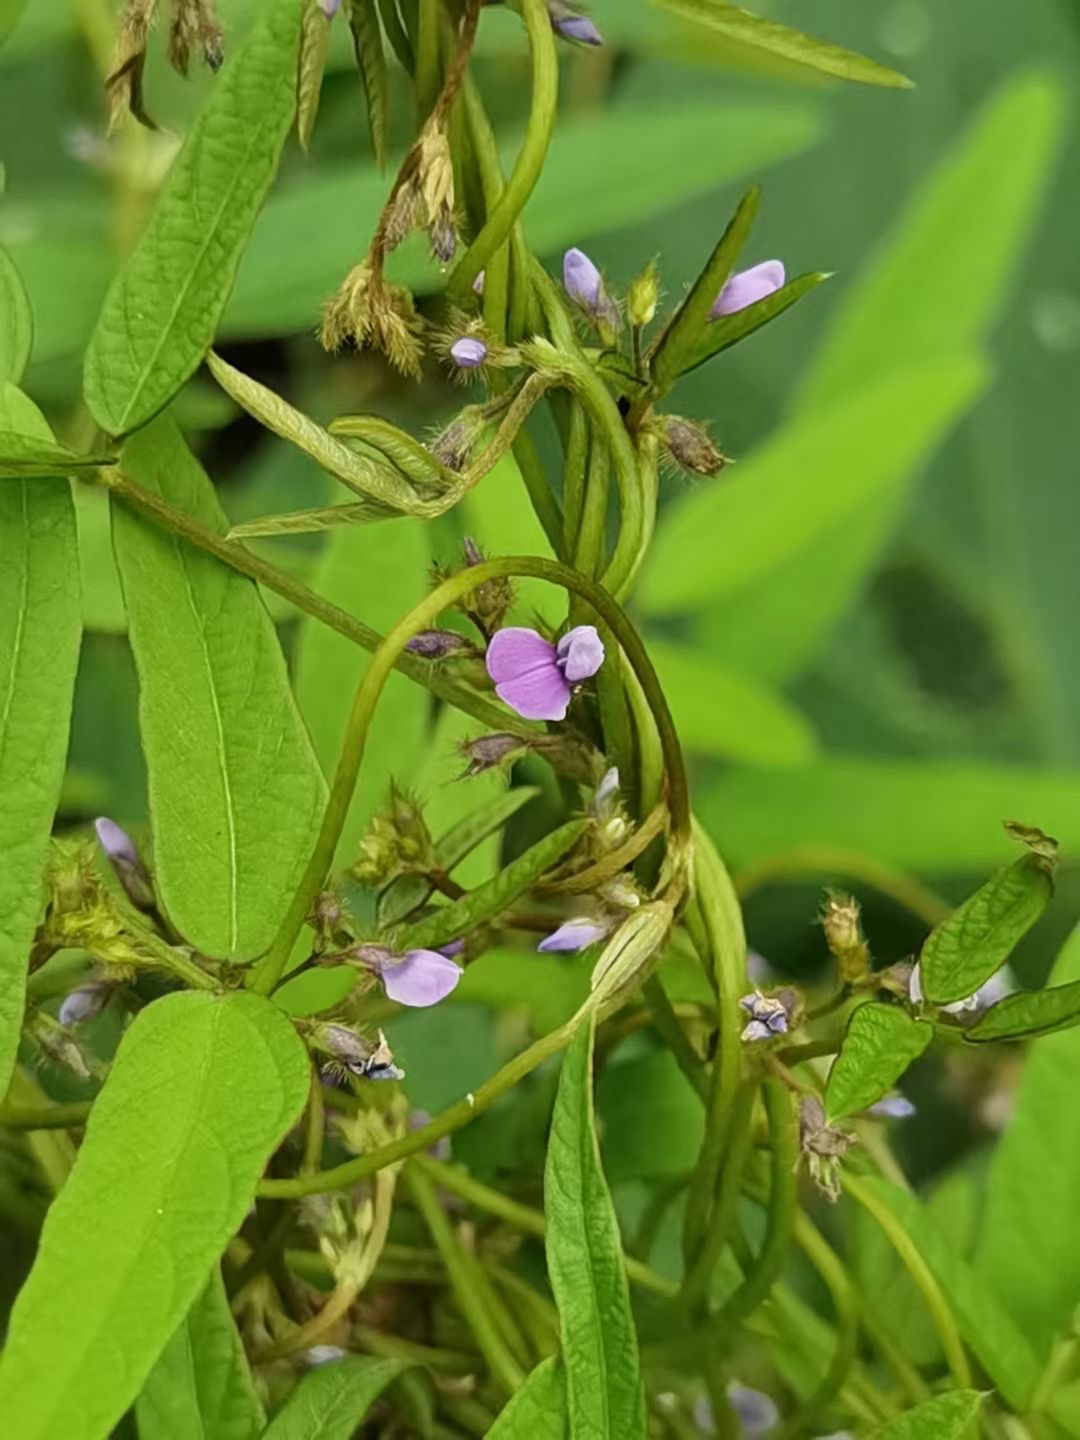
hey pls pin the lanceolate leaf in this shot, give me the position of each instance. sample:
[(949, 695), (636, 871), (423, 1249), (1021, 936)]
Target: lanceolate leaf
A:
[(330, 1402), (201, 1385), (30, 455), (599, 1346), (202, 1091), (945, 1417), (491, 899), (314, 44), (978, 937), (16, 321), (371, 61), (721, 334), (536, 1411), (161, 311), (235, 789), (40, 630), (753, 32), (880, 1044), (1029, 1013)]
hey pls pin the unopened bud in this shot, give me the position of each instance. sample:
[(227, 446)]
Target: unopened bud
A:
[(823, 1145), (124, 858), (628, 956), (643, 296), (454, 446), (83, 1003), (571, 24), (439, 644), (690, 446), (843, 935), (487, 752), (489, 604)]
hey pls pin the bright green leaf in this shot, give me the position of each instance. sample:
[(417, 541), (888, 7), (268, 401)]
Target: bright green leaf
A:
[(40, 629), (235, 791), (808, 479), (537, 1409), (753, 33), (330, 1402), (880, 1043), (721, 334), (162, 310), (202, 1091), (16, 320), (945, 1417), (963, 951), (584, 1253), (32, 455), (201, 1385), (1030, 1013)]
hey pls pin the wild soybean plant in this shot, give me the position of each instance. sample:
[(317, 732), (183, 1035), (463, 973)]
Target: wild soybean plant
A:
[(257, 1236)]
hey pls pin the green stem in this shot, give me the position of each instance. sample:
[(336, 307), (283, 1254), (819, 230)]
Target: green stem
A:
[(695, 1290), (530, 160), (670, 1030), (427, 57), (589, 548), (269, 971), (575, 461), (921, 1274), (60, 1116)]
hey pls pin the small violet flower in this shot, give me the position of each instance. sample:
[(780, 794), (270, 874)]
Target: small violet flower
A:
[(124, 858), (747, 287), (83, 1003), (536, 678), (418, 978), (468, 353), (1000, 984), (756, 1412), (577, 27), (583, 281), (768, 1016), (574, 935), (893, 1106)]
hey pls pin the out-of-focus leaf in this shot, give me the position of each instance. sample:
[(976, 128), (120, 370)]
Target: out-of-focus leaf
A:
[(162, 309), (1030, 1013), (201, 1384), (651, 158), (963, 951), (235, 791), (32, 455), (314, 43), (754, 33), (719, 712), (945, 1417), (378, 577), (330, 1401), (500, 519), (40, 628), (1029, 1244), (202, 1091), (809, 478), (651, 1119), (537, 1409), (880, 1043), (585, 1263), (923, 816), (10, 14), (448, 798), (16, 321), (371, 62), (103, 601), (550, 987)]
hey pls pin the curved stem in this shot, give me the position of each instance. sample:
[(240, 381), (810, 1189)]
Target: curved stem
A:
[(269, 971), (695, 1290), (812, 861), (530, 160)]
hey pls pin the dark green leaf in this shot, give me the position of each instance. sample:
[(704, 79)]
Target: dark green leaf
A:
[(235, 792), (585, 1263), (945, 1417), (16, 320), (728, 330), (40, 629), (371, 61), (201, 1385), (161, 311), (491, 899), (537, 1410), (880, 1043), (330, 1402), (651, 1118), (32, 455), (754, 33), (202, 1091), (980, 935), (1031, 1012)]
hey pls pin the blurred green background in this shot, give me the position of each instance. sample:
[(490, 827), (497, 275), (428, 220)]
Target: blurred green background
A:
[(867, 625)]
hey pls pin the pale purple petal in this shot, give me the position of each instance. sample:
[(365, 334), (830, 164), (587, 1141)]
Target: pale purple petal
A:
[(323, 1354), (115, 841), (579, 27), (757, 1411), (582, 279), (515, 651), (329, 7), (420, 978), (83, 1004), (522, 664), (756, 1030), (1000, 984), (608, 787), (573, 935), (580, 653), (478, 283), (892, 1107), (452, 948), (748, 287), (468, 352)]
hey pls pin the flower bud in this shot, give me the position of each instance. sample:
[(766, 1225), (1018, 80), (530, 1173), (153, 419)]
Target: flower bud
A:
[(454, 446), (439, 644), (488, 751), (823, 1146), (488, 605), (840, 920), (571, 24), (83, 1003), (643, 296), (124, 858), (628, 956), (690, 447), (469, 352)]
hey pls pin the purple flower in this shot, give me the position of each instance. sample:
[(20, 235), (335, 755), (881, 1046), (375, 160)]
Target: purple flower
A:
[(574, 935), (578, 27), (892, 1107), (748, 286), (418, 978), (329, 7), (536, 678), (768, 1016), (583, 280), (469, 352), (124, 858), (757, 1411), (83, 1003)]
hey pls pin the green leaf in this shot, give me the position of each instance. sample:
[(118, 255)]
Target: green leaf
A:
[(537, 1409), (501, 520), (486, 901), (719, 712), (1029, 1013), (651, 1118), (721, 334), (945, 1417), (585, 1264), (162, 310), (32, 455), (202, 1091), (753, 33), (1029, 1243), (330, 1402), (963, 951), (928, 815), (880, 1043), (201, 1385), (378, 576), (16, 319), (314, 44), (235, 792), (809, 478), (550, 988), (371, 62), (1002, 1348), (40, 630)]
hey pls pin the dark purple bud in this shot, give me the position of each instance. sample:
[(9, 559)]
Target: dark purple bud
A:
[(439, 644), (443, 236), (83, 1003), (469, 352), (578, 27), (488, 751)]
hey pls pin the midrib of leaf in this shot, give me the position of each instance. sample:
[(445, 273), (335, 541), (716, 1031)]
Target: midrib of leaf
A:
[(182, 293), (20, 626), (226, 784)]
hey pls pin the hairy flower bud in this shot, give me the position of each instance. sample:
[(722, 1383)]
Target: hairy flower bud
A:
[(439, 644), (489, 603), (690, 447), (643, 296), (454, 446), (840, 920), (823, 1146), (487, 752)]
